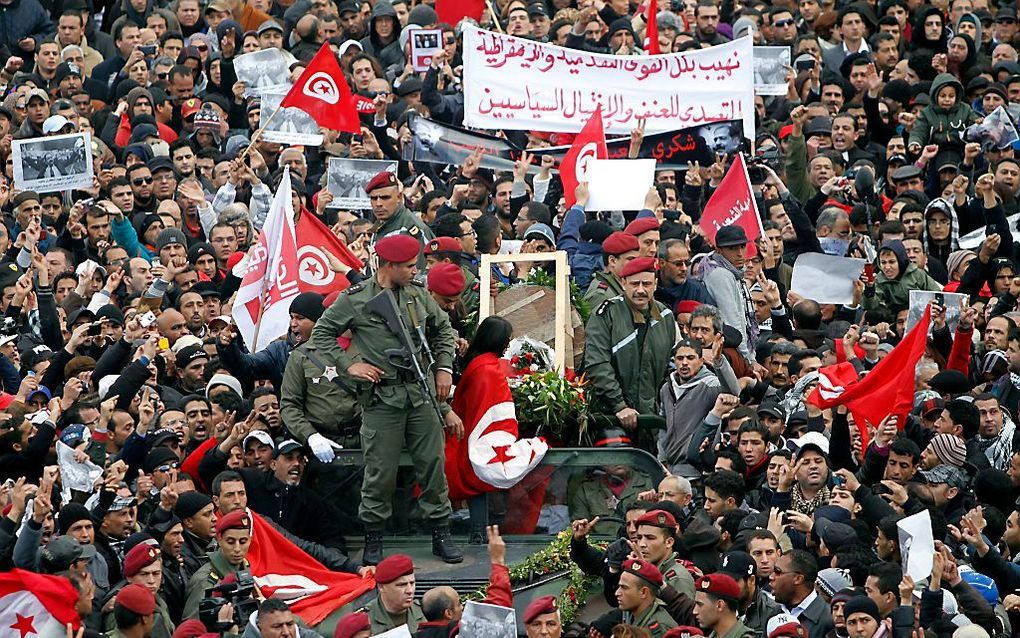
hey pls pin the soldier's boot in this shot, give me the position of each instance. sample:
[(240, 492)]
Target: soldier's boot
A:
[(444, 547), (373, 548), (477, 536)]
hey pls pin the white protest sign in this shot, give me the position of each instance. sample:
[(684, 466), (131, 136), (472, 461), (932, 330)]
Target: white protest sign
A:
[(397, 632), (518, 84), (770, 67), (951, 301), (619, 184), (973, 239), (826, 278), (425, 43), (481, 620), (917, 547)]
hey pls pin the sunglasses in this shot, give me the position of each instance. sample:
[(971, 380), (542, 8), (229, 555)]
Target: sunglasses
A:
[(378, 93), (138, 181), (783, 23), (1005, 21), (167, 467), (202, 47)]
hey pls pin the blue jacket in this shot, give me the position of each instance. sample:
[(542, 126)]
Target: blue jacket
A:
[(24, 19)]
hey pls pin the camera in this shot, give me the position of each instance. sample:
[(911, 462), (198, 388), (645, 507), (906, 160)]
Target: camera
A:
[(8, 327), (239, 593)]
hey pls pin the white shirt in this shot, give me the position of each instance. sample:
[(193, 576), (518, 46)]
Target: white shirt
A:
[(799, 609)]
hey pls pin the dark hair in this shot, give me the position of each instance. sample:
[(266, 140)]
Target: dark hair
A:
[(794, 365), (271, 605), (906, 447), (805, 564), (727, 484), (170, 35), (178, 70), (887, 576), (118, 31), (754, 425), (734, 457), (492, 336), (125, 618), (760, 534), (488, 230), (538, 212), (731, 520), (966, 415), (73, 13), (226, 476)]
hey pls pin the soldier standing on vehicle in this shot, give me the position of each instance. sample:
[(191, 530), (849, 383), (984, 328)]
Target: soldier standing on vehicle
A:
[(396, 411)]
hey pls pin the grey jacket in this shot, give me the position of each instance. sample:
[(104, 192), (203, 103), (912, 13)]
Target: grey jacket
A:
[(685, 406), (728, 288)]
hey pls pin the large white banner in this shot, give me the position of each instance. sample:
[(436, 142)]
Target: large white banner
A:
[(518, 84)]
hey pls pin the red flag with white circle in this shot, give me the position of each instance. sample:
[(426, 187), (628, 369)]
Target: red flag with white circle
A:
[(322, 92), (589, 144)]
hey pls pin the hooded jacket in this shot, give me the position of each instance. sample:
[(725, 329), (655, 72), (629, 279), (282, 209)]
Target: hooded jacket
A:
[(895, 293), (685, 406), (935, 125), (387, 54)]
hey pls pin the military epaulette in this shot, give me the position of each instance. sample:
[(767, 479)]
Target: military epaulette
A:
[(654, 626), (602, 307), (476, 286), (353, 289), (670, 574), (413, 231), (603, 285), (418, 281)]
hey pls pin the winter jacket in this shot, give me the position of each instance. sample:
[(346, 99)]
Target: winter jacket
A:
[(387, 54), (685, 406), (726, 284), (24, 19), (895, 293), (940, 126)]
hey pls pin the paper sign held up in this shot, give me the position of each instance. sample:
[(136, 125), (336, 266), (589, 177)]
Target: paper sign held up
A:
[(619, 184), (825, 278), (916, 545)]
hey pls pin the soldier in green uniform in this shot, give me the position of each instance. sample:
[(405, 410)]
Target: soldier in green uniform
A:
[(617, 251), (134, 609), (319, 399), (234, 533), (387, 196), (715, 606), (629, 340), (637, 595), (396, 412), (395, 604), (445, 284), (608, 490), (143, 566), (447, 250), (656, 536)]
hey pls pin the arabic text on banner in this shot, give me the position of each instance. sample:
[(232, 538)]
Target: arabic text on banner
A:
[(517, 84)]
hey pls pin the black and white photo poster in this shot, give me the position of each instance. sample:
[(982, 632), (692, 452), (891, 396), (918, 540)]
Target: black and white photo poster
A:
[(481, 620), (291, 126), (346, 179), (771, 65), (425, 43), (266, 71), (57, 163)]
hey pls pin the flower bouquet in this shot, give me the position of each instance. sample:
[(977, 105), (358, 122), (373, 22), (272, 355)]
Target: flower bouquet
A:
[(548, 404)]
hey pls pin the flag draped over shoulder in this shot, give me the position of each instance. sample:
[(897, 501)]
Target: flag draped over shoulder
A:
[(36, 606), (283, 570), (490, 456)]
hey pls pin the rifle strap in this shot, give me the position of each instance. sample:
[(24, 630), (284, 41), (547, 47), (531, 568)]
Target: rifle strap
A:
[(317, 362)]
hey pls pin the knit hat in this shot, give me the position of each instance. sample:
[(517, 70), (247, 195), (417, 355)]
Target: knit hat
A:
[(950, 449), (422, 15), (832, 580), (190, 503), (861, 605), (69, 515), (308, 305), (170, 236)]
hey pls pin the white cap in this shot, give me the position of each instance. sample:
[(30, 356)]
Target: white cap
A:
[(54, 123), (778, 621), (812, 438), (227, 380), (185, 341), (258, 435), (348, 44)]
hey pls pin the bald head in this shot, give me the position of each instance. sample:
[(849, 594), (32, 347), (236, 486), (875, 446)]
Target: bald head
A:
[(441, 603)]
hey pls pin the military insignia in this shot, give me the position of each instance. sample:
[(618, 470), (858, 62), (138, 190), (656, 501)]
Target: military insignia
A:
[(315, 380), (705, 584), (434, 245), (661, 518), (353, 289), (602, 307), (413, 231), (330, 373)]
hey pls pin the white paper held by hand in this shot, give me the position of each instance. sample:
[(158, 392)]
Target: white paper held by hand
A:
[(619, 184), (916, 545), (825, 278)]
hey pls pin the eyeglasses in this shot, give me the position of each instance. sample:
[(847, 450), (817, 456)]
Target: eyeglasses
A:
[(779, 572), (378, 93), (679, 262), (138, 181), (163, 75), (470, 233), (783, 23), (1005, 21), (202, 47), (450, 40)]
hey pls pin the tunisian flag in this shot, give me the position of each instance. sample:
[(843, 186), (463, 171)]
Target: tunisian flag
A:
[(269, 279), (283, 570), (316, 243), (322, 92), (652, 29), (490, 456), (589, 144), (887, 389), (36, 606), (733, 203)]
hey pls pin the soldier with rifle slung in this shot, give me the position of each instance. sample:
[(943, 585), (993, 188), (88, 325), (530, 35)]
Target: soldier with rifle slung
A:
[(407, 348)]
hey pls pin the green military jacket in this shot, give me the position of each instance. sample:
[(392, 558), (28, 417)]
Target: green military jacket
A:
[(471, 291), (162, 627), (407, 222), (655, 619), (675, 574), (594, 498), (382, 620), (312, 401), (373, 338), (205, 577), (626, 355), (603, 286), (739, 630)]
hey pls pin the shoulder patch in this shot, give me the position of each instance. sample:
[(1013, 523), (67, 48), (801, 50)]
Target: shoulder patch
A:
[(418, 281), (353, 289), (670, 574), (414, 230), (654, 626), (602, 307)]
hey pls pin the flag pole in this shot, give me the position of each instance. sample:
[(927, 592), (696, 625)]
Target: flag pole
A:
[(495, 16), (255, 138)]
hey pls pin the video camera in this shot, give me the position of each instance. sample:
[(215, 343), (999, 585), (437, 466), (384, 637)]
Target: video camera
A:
[(238, 593)]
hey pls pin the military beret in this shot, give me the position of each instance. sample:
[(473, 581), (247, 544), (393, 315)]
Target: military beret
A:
[(137, 599), (442, 245), (382, 180), (684, 631), (397, 248), (238, 519), (686, 306), (446, 279), (644, 570), (641, 264), (351, 624), (658, 518), (641, 225), (619, 243), (393, 567), (141, 555), (539, 606), (719, 585)]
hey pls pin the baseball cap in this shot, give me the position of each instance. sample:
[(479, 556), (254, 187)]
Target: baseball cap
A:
[(948, 474)]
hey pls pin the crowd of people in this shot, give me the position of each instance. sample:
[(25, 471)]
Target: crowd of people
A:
[(143, 444)]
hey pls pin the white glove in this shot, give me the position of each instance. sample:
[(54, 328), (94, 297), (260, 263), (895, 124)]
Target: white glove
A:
[(323, 448)]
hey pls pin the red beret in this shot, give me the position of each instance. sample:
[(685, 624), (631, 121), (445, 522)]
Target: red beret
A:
[(687, 305), (141, 555), (382, 180), (190, 628), (641, 264), (136, 598), (641, 225), (238, 519), (539, 606), (443, 245), (658, 518), (393, 567), (683, 631), (720, 586), (446, 279), (644, 570), (397, 248), (352, 624), (619, 243)]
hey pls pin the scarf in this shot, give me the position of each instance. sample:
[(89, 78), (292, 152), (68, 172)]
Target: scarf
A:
[(999, 448), (715, 260), (800, 504)]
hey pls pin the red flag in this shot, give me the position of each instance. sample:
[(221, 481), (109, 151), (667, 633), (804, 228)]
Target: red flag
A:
[(322, 92), (315, 244), (733, 203), (36, 606), (283, 570), (652, 29), (589, 144), (453, 11), (490, 456), (887, 389)]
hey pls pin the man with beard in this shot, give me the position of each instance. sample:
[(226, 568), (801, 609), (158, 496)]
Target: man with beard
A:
[(628, 341), (190, 305), (191, 362), (141, 185)]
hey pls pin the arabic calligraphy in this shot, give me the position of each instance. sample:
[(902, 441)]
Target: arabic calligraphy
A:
[(736, 211)]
